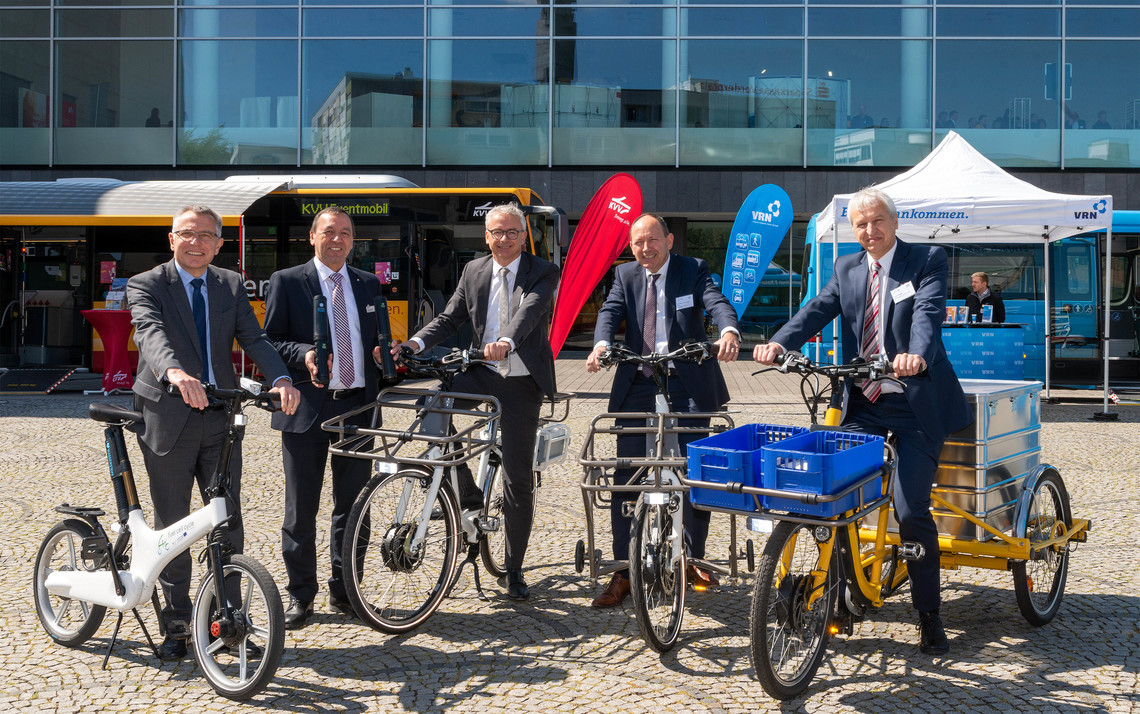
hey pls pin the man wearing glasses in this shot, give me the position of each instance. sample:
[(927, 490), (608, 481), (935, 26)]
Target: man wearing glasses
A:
[(187, 314), (508, 297)]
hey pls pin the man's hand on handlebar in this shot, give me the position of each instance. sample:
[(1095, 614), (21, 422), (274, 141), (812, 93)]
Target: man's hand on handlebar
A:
[(907, 365), (193, 394), (767, 353), (496, 351), (403, 348), (288, 396), (593, 362), (728, 347)]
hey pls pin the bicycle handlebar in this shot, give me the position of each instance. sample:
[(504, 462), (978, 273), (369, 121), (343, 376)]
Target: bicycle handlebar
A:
[(877, 368), (249, 391), (696, 352), (442, 366)]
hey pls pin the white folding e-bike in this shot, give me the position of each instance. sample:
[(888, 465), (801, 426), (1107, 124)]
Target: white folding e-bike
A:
[(237, 624)]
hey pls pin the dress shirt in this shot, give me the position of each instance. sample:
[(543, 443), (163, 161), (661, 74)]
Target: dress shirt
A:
[(518, 369), (884, 296), (358, 358)]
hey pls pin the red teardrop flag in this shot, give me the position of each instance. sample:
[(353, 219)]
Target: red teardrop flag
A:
[(598, 240)]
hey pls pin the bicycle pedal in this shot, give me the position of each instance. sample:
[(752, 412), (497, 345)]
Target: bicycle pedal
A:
[(487, 524), (911, 550)]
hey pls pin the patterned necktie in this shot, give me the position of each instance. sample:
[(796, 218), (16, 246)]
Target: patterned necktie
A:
[(504, 317), (343, 334), (199, 306), (870, 346), (649, 323)]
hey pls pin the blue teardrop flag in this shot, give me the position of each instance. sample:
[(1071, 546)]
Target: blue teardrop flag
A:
[(760, 226)]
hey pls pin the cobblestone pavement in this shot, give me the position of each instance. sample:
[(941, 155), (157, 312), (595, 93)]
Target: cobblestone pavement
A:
[(554, 653)]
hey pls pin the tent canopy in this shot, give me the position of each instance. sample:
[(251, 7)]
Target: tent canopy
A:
[(957, 194)]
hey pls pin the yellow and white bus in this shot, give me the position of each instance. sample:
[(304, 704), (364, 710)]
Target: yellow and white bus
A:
[(64, 242)]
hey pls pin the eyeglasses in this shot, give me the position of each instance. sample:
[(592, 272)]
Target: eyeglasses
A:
[(203, 236), (499, 233)]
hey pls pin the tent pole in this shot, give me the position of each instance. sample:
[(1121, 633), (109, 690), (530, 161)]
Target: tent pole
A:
[(1048, 321), (1104, 414), (834, 259)]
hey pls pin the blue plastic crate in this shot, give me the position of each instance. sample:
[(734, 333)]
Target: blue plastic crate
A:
[(733, 455), (823, 462)]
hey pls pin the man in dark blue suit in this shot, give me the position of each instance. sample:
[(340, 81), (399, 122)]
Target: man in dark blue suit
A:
[(892, 298), (683, 293), (353, 383)]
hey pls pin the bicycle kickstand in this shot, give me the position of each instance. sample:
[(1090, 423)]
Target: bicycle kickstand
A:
[(473, 559), (146, 632)]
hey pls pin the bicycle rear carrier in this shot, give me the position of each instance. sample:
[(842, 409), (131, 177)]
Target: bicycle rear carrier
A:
[(405, 424)]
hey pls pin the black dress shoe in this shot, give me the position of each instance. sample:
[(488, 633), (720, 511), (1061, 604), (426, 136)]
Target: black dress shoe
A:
[(297, 614), (172, 648), (932, 636), (516, 586)]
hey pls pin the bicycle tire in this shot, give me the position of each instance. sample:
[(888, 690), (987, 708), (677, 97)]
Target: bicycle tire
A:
[(656, 584), (1039, 583), (67, 621), (241, 663), (391, 588), (788, 636), (493, 545)]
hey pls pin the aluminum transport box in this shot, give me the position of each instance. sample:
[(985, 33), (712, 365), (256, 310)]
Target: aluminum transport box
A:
[(982, 468)]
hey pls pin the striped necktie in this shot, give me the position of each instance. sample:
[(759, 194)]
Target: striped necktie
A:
[(504, 366), (344, 358), (870, 346), (649, 323)]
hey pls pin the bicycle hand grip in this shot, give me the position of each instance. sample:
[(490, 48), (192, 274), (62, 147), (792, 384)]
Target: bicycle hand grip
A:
[(321, 337), (384, 338)]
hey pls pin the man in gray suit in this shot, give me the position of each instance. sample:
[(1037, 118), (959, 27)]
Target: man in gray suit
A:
[(517, 336), (187, 315)]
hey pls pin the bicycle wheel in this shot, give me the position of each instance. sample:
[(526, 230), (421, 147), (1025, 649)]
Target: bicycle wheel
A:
[(493, 545), (68, 621), (239, 651), (393, 584), (1039, 583), (656, 582), (789, 632)]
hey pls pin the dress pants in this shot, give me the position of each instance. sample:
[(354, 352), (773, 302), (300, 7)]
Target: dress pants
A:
[(172, 476), (912, 481), (304, 455), (642, 397), (521, 401)]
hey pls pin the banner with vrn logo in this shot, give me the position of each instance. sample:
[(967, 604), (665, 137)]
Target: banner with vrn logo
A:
[(598, 240), (761, 224)]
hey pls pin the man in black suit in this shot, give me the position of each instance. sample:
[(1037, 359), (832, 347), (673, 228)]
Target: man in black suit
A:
[(516, 335), (891, 297), (353, 383), (683, 292), (982, 295), (187, 314)]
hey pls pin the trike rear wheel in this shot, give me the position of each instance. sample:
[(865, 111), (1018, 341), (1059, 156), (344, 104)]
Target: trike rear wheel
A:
[(656, 582), (790, 615), (1039, 582)]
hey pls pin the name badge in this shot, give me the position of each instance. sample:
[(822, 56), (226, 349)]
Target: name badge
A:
[(902, 292), (370, 308), (684, 301)]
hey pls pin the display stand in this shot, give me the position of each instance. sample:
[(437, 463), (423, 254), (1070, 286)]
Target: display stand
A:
[(114, 327)]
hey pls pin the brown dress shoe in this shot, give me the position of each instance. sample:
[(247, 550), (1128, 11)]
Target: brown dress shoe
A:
[(702, 579), (617, 591)]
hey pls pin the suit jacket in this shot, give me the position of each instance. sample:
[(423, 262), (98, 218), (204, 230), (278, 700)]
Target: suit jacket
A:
[(687, 277), (532, 303), (289, 326), (975, 305), (166, 337), (912, 325)]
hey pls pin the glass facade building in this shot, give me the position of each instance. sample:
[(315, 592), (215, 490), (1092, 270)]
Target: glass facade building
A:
[(601, 84)]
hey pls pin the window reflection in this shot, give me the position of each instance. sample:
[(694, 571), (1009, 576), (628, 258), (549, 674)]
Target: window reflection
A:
[(247, 117), (24, 117), (1013, 116), (363, 101), (113, 102), (1103, 114)]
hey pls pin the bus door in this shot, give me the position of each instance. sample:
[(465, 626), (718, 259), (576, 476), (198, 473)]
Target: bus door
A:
[(52, 292), (1075, 347), (10, 309), (1124, 318)]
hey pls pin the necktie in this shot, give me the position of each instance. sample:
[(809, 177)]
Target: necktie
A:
[(343, 334), (870, 346), (504, 317), (199, 306), (649, 323)]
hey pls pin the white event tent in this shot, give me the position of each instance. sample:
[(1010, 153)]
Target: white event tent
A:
[(957, 194)]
